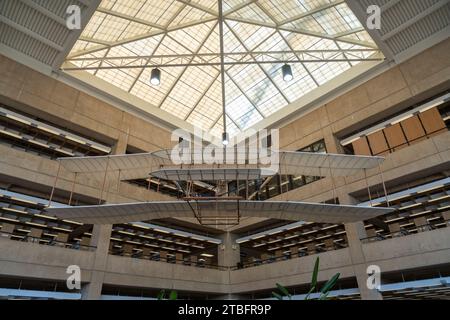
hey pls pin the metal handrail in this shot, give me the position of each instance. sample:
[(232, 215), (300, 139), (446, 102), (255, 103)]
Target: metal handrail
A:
[(400, 233), (37, 240), (171, 260)]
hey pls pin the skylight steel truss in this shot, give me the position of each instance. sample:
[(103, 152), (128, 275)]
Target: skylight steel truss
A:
[(127, 38), (232, 58)]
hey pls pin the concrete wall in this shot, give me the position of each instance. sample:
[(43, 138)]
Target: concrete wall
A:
[(131, 272), (399, 87), (18, 164), (53, 100), (30, 260), (425, 156), (430, 248), (403, 85)]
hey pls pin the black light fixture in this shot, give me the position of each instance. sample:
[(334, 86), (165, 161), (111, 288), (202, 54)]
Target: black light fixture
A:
[(155, 78), (287, 73), (225, 139)]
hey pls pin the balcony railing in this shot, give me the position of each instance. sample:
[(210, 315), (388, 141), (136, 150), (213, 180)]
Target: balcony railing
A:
[(405, 232), (55, 243)]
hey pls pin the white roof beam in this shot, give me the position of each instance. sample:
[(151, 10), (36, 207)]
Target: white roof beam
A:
[(311, 12), (298, 58), (262, 69), (412, 21), (229, 54), (31, 33), (245, 94), (239, 7), (361, 15), (304, 32), (202, 96), (75, 34), (44, 11), (130, 18), (144, 36), (185, 68), (199, 7), (254, 60)]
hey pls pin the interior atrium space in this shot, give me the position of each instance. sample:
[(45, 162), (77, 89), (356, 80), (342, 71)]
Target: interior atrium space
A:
[(257, 150)]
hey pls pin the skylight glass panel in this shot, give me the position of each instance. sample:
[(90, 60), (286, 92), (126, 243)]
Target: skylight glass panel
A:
[(230, 42), (262, 91), (250, 35), (111, 28), (283, 9), (239, 107), (122, 78), (133, 29), (274, 43), (300, 41), (130, 8), (348, 16), (157, 11), (230, 4), (155, 94), (143, 47), (307, 23), (183, 94), (313, 4), (207, 4), (232, 129), (81, 45), (295, 89), (247, 76), (192, 37), (146, 33), (331, 21), (252, 12), (176, 108), (206, 113), (215, 91), (212, 43), (96, 21), (324, 72), (250, 118), (272, 105), (189, 14)]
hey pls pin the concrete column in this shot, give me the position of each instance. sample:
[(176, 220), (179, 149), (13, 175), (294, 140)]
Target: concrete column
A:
[(355, 232), (332, 144), (121, 144), (229, 254), (222, 188), (101, 235)]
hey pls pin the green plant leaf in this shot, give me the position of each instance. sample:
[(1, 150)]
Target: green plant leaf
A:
[(314, 279), (173, 295), (161, 295), (283, 290), (324, 296), (330, 284), (315, 274), (309, 293), (276, 295)]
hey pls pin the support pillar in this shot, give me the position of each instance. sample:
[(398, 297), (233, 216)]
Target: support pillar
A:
[(120, 147), (332, 143), (355, 232), (229, 253), (101, 235)]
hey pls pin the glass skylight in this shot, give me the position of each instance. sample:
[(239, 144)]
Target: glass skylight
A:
[(125, 39)]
